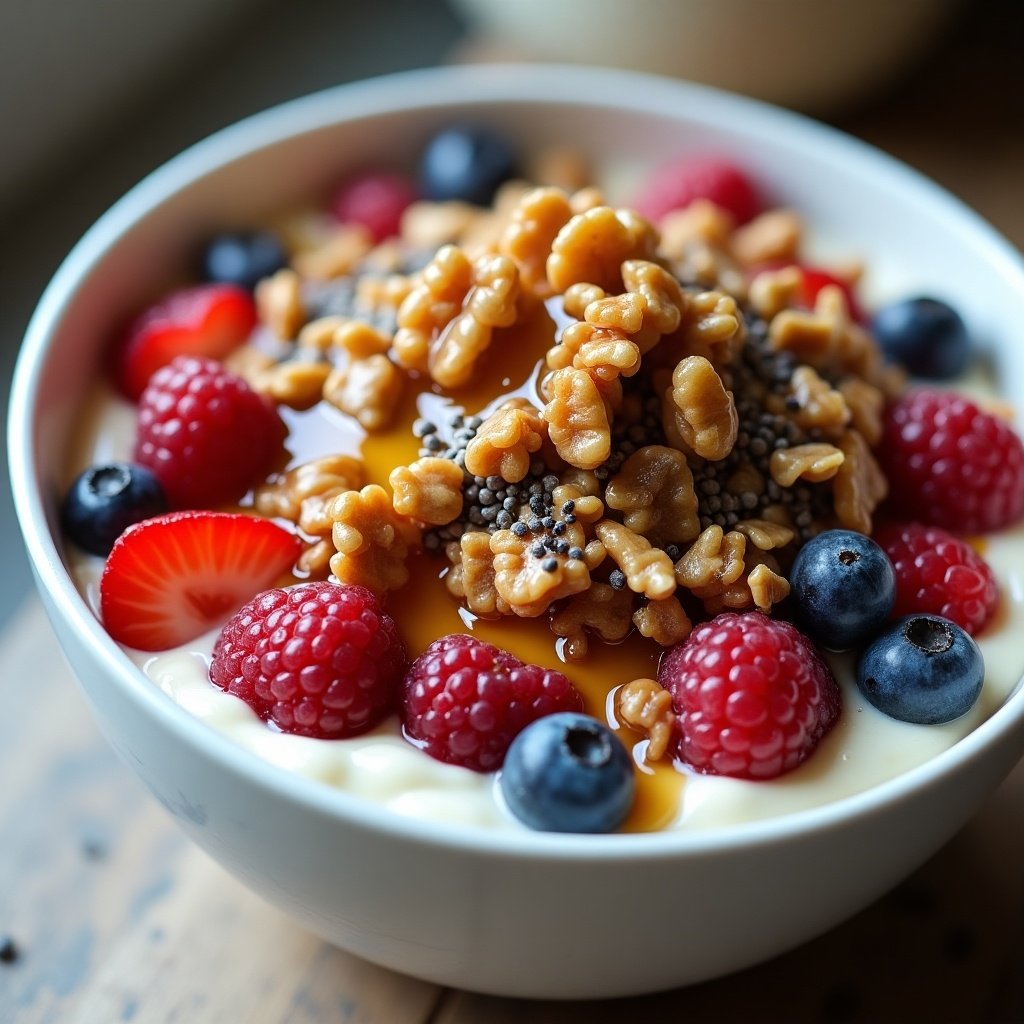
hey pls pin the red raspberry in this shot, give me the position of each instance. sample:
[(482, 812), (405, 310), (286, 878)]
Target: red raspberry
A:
[(939, 573), (376, 200), (317, 659), (205, 433), (679, 182), (752, 695), (465, 701), (951, 464)]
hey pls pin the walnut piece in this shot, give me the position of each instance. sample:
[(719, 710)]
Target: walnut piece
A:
[(593, 245), (279, 303), (645, 705), (665, 621), (767, 587), (603, 352), (813, 462), (654, 491), (648, 569), (766, 535), (505, 441), (859, 484), (428, 490), (530, 232), (337, 256), (601, 609), (522, 581), (371, 538), (773, 236), (772, 291), (704, 411), (296, 383), (578, 421), (368, 389), (818, 405), (715, 559), (471, 577)]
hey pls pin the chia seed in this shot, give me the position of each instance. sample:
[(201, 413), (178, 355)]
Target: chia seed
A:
[(617, 579), (550, 565)]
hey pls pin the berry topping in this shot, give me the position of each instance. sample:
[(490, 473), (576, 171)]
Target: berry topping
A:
[(205, 320), (317, 659), (951, 464), (465, 700), (171, 578), (376, 200), (843, 587), (466, 163), (923, 669), (679, 182), (752, 695), (105, 500), (925, 336), (939, 574), (568, 773), (205, 433), (243, 258)]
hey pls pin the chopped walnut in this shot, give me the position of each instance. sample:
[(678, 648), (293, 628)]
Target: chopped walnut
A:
[(604, 353), (813, 462), (867, 406), (302, 496), (578, 297), (818, 405), (645, 705), (505, 441), (665, 621), (428, 226), (601, 609), (859, 484), (664, 301), (296, 383), (337, 256), (773, 236), (249, 362), (772, 291), (714, 559), (767, 587), (766, 535), (318, 335), (522, 581), (705, 412), (588, 508), (359, 340), (648, 569), (371, 538), (578, 421), (654, 490), (530, 232), (700, 223), (446, 321), (471, 578), (593, 246), (428, 490), (368, 389), (279, 303), (759, 586)]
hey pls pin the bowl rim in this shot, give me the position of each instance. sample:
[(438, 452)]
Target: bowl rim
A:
[(474, 87)]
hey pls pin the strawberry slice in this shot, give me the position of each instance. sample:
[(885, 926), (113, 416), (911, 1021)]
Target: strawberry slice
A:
[(171, 578), (204, 320)]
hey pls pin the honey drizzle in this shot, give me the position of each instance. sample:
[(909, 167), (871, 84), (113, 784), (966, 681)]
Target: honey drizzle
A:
[(424, 610)]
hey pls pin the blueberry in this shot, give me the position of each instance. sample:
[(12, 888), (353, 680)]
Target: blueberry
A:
[(926, 336), (922, 669), (843, 587), (466, 163), (243, 258), (568, 773), (105, 500)]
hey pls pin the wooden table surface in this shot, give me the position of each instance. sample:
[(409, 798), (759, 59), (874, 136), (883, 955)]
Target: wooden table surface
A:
[(107, 913)]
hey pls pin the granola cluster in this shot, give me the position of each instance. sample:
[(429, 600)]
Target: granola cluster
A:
[(689, 424)]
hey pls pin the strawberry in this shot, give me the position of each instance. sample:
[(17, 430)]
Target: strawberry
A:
[(171, 578), (205, 320)]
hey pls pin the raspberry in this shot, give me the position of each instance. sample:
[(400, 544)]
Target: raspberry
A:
[(205, 433), (376, 200), (465, 701), (752, 695), (679, 182), (939, 574), (952, 465), (317, 659)]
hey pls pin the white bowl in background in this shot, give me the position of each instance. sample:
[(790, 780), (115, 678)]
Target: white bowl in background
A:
[(523, 914)]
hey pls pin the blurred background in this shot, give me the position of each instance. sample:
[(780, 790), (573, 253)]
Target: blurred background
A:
[(97, 94)]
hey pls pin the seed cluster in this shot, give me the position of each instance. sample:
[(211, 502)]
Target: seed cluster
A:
[(339, 296)]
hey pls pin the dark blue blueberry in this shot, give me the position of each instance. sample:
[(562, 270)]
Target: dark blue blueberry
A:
[(926, 336), (568, 773), (105, 500), (466, 163), (843, 587), (243, 258), (923, 669)]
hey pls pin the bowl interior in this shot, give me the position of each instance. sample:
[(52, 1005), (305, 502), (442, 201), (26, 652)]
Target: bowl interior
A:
[(861, 206)]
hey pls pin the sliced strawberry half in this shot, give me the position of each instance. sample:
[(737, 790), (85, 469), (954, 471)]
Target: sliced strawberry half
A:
[(171, 578), (204, 320)]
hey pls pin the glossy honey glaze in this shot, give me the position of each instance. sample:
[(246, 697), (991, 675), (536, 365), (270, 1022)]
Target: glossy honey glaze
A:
[(425, 611)]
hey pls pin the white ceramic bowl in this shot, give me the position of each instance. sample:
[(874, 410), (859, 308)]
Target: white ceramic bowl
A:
[(518, 914)]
